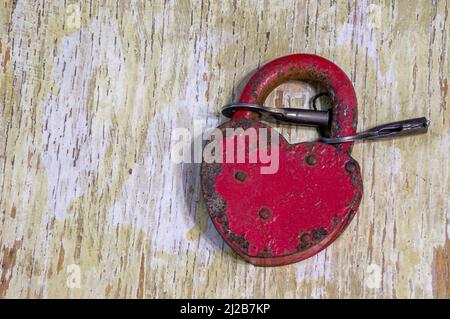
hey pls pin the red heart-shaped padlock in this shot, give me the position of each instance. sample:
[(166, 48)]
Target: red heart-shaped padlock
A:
[(301, 206)]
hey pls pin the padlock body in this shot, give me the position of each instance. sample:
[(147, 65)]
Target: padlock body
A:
[(286, 214)]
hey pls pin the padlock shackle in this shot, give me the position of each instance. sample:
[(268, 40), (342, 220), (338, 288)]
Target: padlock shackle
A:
[(307, 67)]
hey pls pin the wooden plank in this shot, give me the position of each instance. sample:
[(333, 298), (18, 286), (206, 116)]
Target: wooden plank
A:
[(90, 92)]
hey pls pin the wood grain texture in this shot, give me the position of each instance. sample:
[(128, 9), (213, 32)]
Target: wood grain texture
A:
[(90, 92)]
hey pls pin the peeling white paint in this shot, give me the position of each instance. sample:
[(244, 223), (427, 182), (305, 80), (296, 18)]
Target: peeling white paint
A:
[(74, 142), (359, 29), (139, 203)]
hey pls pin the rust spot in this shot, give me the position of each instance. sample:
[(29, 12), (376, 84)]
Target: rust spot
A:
[(222, 219), (351, 167), (8, 263), (215, 204), (352, 170), (239, 240), (305, 239), (241, 122), (265, 213), (319, 234), (309, 239), (346, 110), (335, 126), (335, 221), (441, 271), (266, 253), (311, 159), (13, 212), (240, 176)]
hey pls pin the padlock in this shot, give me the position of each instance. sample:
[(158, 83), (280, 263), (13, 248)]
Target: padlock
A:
[(291, 212)]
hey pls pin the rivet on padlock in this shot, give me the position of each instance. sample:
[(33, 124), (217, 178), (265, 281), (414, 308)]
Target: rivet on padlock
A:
[(302, 207)]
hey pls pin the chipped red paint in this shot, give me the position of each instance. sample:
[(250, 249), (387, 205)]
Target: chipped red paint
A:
[(281, 218)]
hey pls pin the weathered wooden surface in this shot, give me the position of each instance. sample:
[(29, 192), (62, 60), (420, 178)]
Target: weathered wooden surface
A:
[(89, 95)]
